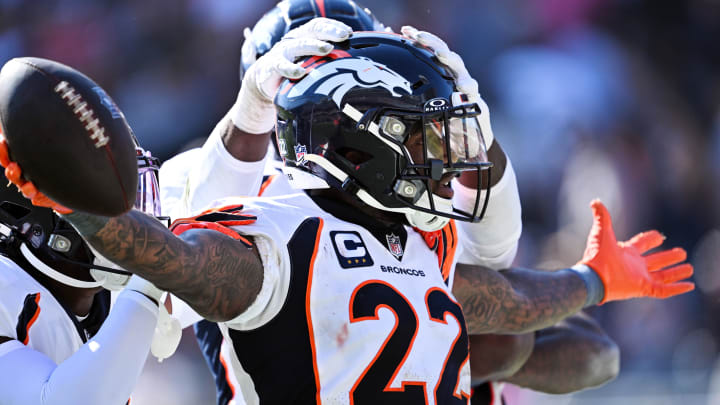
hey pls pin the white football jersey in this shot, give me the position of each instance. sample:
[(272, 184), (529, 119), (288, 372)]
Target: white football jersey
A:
[(30, 314), (354, 314)]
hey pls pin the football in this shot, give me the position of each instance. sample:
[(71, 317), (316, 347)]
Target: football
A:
[(68, 136)]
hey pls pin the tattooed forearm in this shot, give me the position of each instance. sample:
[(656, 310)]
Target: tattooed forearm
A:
[(568, 357), (215, 274), (516, 301)]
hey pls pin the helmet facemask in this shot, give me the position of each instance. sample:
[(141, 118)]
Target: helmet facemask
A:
[(436, 145), (147, 198)]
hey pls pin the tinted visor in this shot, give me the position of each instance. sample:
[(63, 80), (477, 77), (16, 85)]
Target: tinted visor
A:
[(442, 138), (455, 140)]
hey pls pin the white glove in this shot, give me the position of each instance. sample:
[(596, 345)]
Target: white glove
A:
[(248, 52), (254, 111), (455, 65), (167, 331)]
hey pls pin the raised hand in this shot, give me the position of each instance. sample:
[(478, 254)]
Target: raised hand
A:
[(254, 110), (455, 65), (624, 267)]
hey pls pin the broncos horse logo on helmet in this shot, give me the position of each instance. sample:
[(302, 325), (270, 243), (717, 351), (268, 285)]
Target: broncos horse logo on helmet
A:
[(359, 116), (336, 79)]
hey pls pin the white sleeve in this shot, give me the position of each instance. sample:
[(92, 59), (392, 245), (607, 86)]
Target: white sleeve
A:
[(493, 241), (173, 182), (183, 313), (217, 174), (274, 290), (103, 371)]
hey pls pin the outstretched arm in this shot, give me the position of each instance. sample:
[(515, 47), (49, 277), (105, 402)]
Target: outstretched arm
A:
[(218, 276), (517, 300)]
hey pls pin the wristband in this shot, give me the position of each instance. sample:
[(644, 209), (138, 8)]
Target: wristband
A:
[(593, 283), (251, 113)]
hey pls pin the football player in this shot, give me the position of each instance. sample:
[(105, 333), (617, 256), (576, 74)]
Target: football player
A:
[(315, 285), (226, 154), (190, 181), (59, 341)]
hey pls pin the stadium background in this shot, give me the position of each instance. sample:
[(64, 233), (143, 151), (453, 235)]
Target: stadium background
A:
[(617, 99)]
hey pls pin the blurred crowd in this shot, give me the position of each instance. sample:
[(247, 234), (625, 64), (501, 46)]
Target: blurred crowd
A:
[(617, 99)]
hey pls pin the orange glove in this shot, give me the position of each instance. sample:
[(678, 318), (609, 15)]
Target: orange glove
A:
[(625, 271), (28, 189)]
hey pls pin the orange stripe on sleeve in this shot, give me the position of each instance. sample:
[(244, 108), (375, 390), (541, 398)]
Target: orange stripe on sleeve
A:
[(32, 320), (450, 233), (227, 373), (266, 184), (308, 314)]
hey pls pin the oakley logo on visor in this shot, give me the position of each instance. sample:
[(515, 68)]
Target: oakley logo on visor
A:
[(437, 104)]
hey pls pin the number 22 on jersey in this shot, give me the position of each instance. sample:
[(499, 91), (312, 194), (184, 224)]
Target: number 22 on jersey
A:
[(373, 386)]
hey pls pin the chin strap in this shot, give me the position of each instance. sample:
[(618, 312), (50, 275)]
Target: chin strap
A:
[(54, 274), (111, 278), (422, 220)]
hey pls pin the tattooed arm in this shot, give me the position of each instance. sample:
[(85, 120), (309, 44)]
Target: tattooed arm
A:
[(570, 356), (218, 276), (516, 301)]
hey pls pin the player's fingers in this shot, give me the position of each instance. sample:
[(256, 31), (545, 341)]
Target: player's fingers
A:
[(645, 241), (602, 223), (29, 190), (290, 70), (248, 50), (669, 290), (453, 61), (4, 153), (331, 30), (427, 39), (325, 29), (297, 48), (409, 31), (659, 260), (14, 173), (673, 274)]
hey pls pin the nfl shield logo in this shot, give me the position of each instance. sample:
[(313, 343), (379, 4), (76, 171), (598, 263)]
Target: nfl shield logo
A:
[(394, 245), (300, 151)]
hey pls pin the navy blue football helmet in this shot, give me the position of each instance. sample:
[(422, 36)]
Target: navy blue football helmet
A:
[(289, 14), (380, 118)]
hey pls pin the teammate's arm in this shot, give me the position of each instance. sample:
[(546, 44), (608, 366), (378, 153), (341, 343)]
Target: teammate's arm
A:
[(103, 371), (242, 137), (493, 241), (570, 356), (217, 275)]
